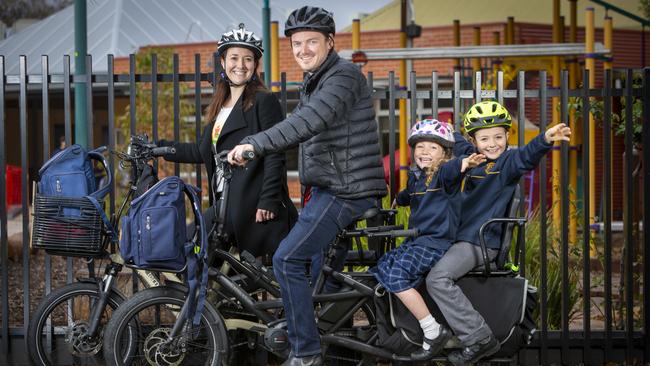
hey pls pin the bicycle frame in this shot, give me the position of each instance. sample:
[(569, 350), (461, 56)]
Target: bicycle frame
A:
[(230, 259), (343, 304), (148, 278), (336, 309)]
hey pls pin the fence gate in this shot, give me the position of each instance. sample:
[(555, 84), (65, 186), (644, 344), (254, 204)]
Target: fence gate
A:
[(591, 283)]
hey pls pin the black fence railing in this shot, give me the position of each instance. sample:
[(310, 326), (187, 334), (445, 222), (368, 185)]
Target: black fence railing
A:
[(593, 303)]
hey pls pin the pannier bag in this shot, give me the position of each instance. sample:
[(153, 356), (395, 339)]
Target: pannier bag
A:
[(153, 235), (506, 303), (68, 215)]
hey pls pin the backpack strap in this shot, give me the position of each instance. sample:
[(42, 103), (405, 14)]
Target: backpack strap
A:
[(94, 197), (97, 155), (197, 259), (102, 214)]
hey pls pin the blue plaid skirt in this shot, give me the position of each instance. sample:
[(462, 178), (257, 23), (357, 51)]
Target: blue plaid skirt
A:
[(406, 266)]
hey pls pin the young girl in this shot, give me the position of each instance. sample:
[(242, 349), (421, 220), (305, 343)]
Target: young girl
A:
[(432, 192)]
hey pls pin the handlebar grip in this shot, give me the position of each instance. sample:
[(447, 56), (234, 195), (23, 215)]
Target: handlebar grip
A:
[(248, 155), (163, 150), (377, 229), (412, 233), (396, 233)]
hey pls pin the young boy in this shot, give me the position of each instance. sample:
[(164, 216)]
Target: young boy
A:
[(486, 194)]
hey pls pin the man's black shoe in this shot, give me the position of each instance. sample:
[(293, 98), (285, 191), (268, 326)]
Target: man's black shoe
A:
[(313, 360), (474, 352), (435, 345)]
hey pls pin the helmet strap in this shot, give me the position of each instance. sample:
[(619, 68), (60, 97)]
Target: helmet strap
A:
[(225, 78)]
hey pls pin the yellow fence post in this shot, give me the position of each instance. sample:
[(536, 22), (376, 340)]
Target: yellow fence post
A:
[(572, 65), (403, 149), (555, 119), (275, 56), (590, 64), (476, 61)]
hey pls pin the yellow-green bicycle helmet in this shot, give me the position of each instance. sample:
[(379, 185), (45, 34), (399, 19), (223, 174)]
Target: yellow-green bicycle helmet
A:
[(485, 115)]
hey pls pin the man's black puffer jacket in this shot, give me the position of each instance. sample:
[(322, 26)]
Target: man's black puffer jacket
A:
[(335, 124)]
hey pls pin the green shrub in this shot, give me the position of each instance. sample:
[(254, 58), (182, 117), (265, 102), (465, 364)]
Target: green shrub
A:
[(553, 270)]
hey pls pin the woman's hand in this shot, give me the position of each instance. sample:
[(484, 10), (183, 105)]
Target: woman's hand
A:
[(263, 215), (472, 161), (235, 156), (559, 132)]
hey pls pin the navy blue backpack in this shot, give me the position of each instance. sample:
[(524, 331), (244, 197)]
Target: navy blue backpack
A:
[(69, 173), (68, 215), (153, 236)]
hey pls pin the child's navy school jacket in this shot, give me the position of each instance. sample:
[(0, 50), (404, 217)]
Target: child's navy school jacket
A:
[(488, 188), (435, 207)]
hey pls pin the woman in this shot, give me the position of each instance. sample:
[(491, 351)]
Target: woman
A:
[(260, 212)]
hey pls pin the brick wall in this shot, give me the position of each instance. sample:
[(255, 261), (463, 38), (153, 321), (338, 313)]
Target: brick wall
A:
[(626, 48), (626, 54)]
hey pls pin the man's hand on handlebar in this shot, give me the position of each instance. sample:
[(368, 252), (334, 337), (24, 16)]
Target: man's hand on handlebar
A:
[(239, 154)]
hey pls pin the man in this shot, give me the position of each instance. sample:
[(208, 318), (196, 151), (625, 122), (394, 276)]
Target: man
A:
[(335, 125)]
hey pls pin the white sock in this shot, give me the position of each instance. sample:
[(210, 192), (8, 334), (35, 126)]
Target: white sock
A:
[(430, 327)]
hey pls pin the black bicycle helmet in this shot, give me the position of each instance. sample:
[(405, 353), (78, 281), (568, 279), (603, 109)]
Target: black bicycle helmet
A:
[(310, 18), (240, 38)]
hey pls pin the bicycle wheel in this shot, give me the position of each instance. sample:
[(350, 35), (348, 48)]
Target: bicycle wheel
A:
[(150, 316), (57, 332)]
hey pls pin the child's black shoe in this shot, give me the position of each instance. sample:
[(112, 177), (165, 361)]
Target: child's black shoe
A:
[(435, 345), (474, 352)]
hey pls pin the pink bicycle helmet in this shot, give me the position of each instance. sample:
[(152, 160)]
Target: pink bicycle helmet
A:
[(432, 130)]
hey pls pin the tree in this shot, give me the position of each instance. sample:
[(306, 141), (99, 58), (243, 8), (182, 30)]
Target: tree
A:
[(12, 10), (165, 110), (644, 6)]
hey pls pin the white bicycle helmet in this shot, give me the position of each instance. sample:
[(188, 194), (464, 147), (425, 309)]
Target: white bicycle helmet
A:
[(240, 38), (432, 130)]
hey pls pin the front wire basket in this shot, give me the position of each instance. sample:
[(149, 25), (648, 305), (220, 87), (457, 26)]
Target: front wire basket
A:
[(68, 226)]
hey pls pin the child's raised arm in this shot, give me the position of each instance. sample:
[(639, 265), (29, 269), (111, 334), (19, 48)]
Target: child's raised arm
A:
[(452, 171), (559, 132), (526, 158), (472, 161)]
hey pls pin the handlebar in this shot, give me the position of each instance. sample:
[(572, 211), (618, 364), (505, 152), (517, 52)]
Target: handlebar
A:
[(481, 237), (248, 155), (222, 156), (163, 150), (407, 233), (374, 229), (392, 231), (140, 150)]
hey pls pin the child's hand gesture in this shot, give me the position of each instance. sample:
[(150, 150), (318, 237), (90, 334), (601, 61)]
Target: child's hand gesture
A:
[(472, 161), (559, 132)]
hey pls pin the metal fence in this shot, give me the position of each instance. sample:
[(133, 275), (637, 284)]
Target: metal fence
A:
[(614, 314)]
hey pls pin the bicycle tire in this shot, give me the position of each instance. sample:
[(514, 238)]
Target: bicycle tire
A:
[(75, 350), (150, 315)]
